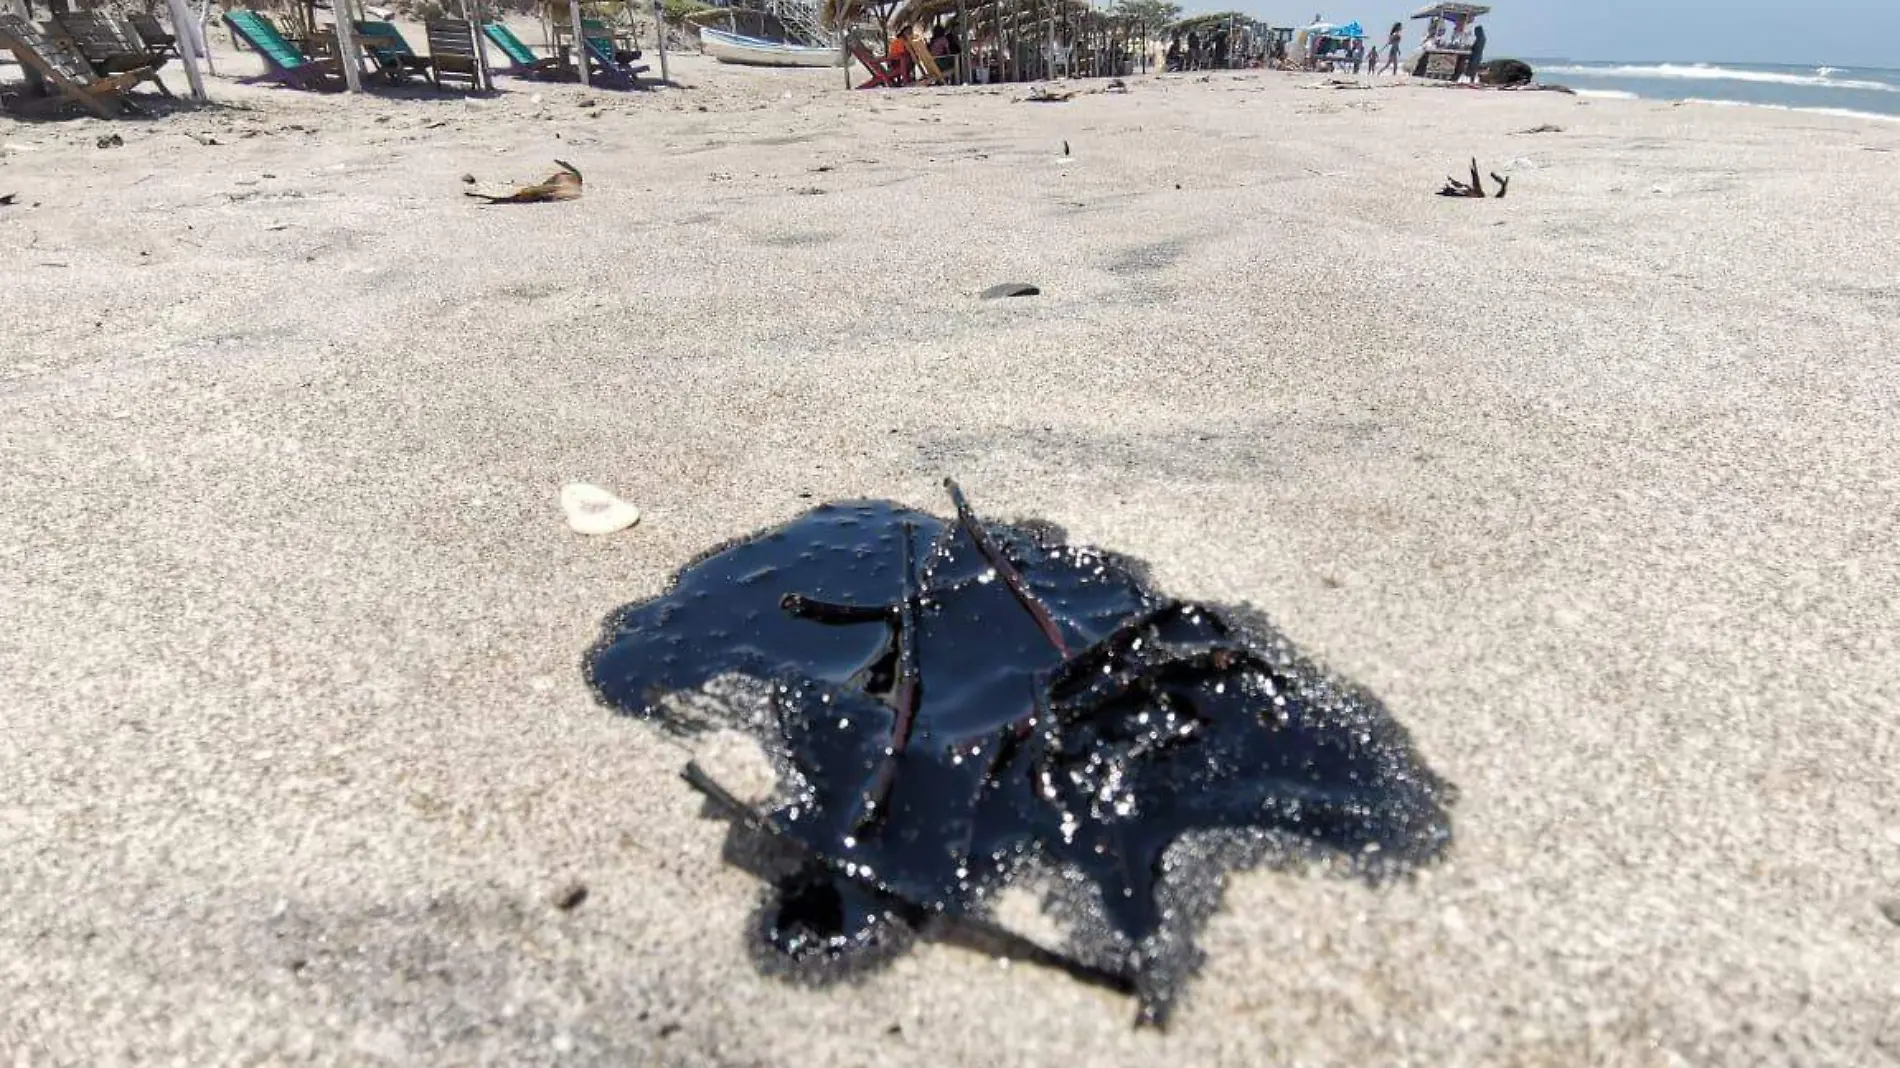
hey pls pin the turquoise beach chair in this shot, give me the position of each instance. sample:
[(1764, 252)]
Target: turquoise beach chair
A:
[(286, 62), (522, 62), (610, 66), (386, 47)]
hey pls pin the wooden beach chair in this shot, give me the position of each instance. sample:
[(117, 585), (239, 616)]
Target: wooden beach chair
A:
[(286, 62), (68, 72), (106, 47), (454, 53), (883, 72), (152, 35), (927, 65), (383, 43), (522, 62)]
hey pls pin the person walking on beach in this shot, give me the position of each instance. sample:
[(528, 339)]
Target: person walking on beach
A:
[(1476, 59), (1392, 42)]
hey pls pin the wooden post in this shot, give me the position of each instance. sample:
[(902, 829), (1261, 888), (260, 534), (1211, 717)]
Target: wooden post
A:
[(1005, 53), (346, 46), (198, 38), (659, 35), (188, 47), (963, 43), (1047, 23), (484, 73), (579, 34)]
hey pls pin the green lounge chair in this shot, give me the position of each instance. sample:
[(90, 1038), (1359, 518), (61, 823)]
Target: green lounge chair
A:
[(612, 66), (286, 62), (522, 62), (385, 46)]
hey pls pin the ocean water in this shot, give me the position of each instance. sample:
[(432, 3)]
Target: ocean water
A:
[(1868, 92)]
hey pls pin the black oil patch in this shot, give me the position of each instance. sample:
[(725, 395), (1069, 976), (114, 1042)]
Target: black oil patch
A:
[(953, 704)]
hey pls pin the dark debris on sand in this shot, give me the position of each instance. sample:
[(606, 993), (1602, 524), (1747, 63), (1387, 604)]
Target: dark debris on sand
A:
[(953, 704)]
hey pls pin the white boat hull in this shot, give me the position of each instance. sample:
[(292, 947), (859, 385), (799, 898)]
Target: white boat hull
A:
[(753, 52)]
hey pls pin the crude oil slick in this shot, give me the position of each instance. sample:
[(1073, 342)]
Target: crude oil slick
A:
[(953, 704)]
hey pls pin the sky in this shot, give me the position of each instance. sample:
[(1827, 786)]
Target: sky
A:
[(1867, 32)]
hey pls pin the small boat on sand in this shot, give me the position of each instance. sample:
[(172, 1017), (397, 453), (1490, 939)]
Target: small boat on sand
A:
[(758, 52)]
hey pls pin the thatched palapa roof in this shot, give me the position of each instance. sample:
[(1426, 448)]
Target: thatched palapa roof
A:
[(1436, 10), (1195, 22)]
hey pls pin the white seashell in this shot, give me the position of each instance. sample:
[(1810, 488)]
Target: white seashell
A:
[(592, 510)]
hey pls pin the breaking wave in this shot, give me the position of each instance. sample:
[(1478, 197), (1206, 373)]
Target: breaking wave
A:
[(1839, 113), (1821, 79)]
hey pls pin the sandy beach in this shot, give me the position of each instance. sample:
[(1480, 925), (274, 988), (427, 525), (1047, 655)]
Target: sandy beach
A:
[(1597, 486)]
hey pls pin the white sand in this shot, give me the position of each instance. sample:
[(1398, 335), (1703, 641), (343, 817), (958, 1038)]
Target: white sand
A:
[(1595, 485)]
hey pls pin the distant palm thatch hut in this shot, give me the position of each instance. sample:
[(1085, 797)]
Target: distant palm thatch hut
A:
[(1002, 40)]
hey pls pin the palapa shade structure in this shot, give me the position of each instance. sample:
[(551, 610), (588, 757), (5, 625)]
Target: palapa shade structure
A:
[(843, 14), (1452, 11), (1012, 32), (1219, 18)]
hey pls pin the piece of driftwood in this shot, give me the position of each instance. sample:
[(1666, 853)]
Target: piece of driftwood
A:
[(1474, 189), (564, 184)]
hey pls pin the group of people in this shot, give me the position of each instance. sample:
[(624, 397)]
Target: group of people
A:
[(1469, 40), (1212, 52), (1364, 55), (1199, 54), (943, 46)]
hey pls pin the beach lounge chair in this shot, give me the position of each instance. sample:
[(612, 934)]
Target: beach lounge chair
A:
[(286, 62), (883, 72), (454, 53), (928, 65), (608, 63), (152, 35), (104, 45), (607, 68), (383, 43), (522, 62), (68, 72)]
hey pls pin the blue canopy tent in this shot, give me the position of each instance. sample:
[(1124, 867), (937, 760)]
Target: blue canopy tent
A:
[(1320, 42)]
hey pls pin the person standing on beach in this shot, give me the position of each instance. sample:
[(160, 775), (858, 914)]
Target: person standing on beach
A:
[(1476, 59), (1392, 42), (898, 56)]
